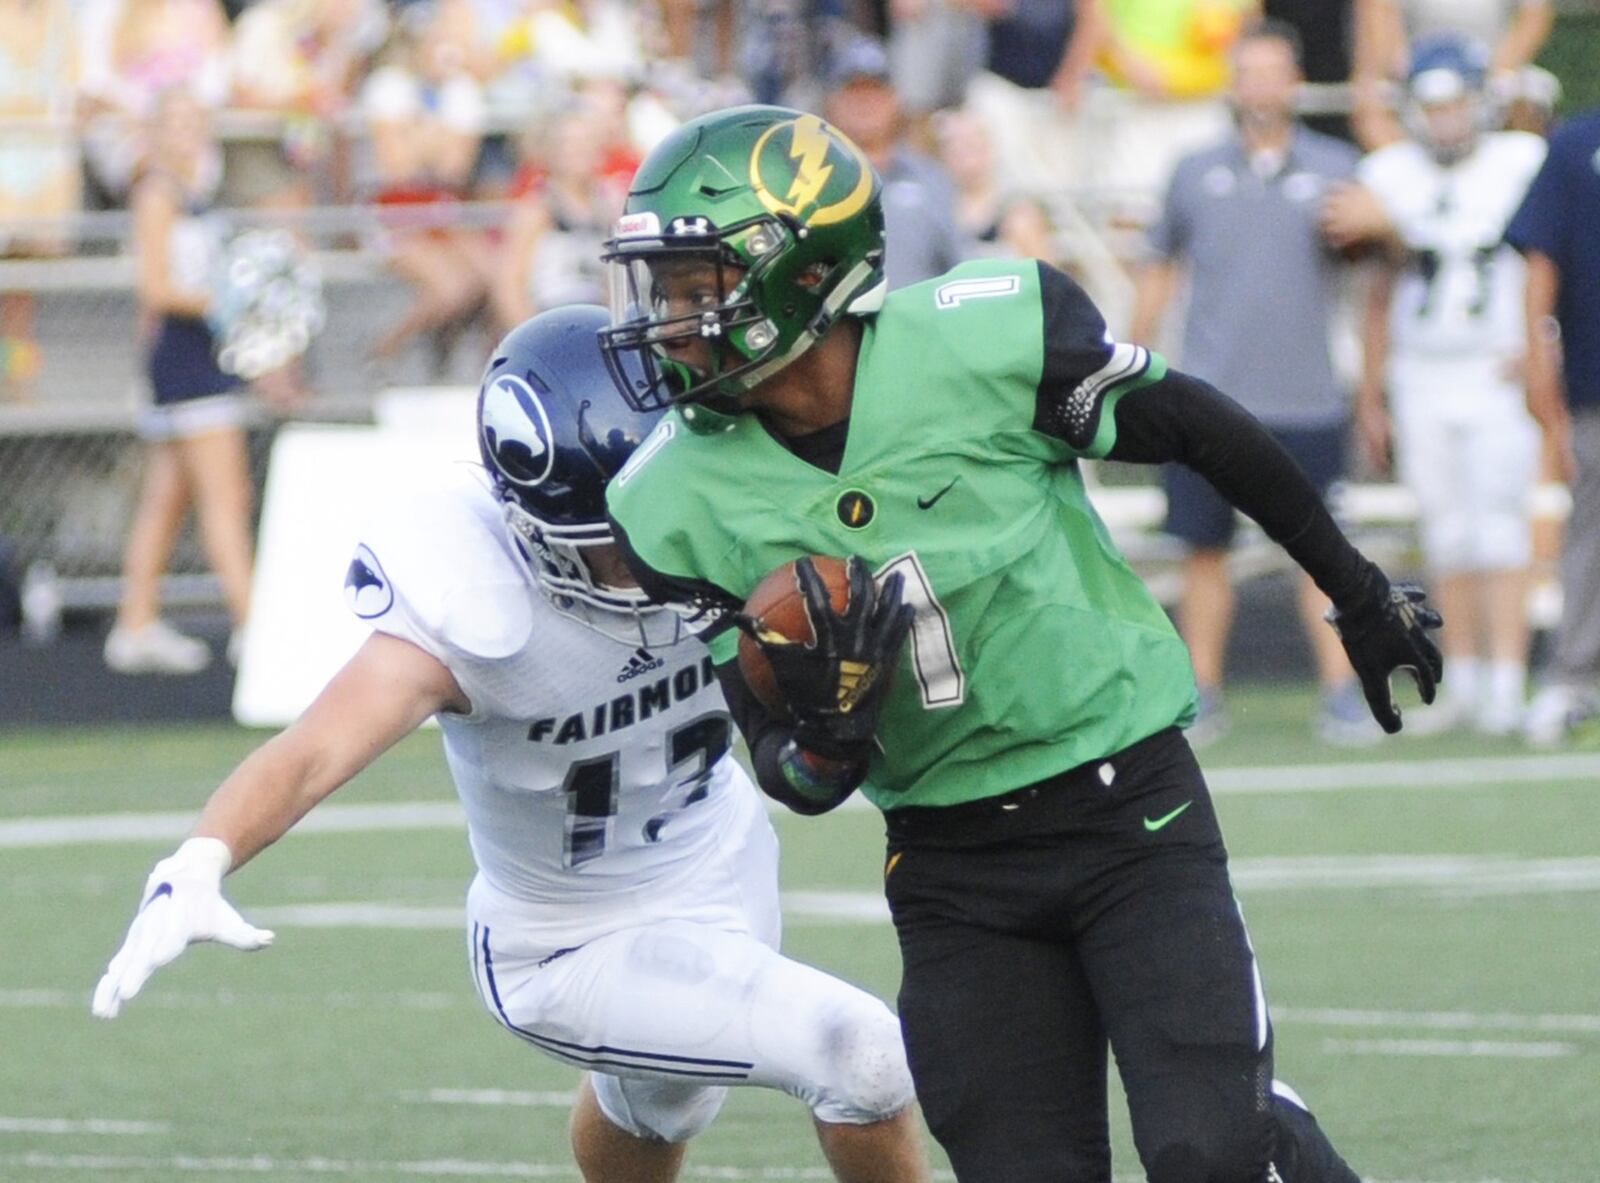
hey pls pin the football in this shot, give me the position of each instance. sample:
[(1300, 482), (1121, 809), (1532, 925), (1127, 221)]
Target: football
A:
[(780, 607)]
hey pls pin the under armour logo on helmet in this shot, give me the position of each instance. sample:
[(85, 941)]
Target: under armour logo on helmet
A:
[(695, 225)]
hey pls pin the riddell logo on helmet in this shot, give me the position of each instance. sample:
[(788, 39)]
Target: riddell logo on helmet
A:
[(798, 167), (641, 225)]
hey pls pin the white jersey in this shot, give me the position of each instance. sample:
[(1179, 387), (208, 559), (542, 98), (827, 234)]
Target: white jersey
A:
[(1461, 295), (593, 772), (625, 917)]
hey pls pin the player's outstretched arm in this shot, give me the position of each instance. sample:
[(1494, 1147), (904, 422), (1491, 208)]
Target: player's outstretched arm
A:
[(1384, 629), (382, 694)]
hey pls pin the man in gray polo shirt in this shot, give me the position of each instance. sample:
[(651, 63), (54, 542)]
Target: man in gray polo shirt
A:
[(922, 236), (1242, 219)]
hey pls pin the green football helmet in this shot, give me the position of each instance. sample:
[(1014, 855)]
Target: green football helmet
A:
[(784, 212)]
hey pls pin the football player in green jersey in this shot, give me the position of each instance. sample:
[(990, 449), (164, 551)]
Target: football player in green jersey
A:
[(1055, 870)]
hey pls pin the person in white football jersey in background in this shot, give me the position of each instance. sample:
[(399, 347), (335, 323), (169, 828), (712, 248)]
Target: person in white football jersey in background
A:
[(616, 840), (1442, 388)]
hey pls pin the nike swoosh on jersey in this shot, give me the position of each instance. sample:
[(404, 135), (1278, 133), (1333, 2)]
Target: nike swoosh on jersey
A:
[(1154, 824), (930, 502)]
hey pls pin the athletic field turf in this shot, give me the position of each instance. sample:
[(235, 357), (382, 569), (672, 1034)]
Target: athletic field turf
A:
[(1427, 914)]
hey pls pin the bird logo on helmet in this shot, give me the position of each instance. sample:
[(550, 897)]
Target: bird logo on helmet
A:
[(552, 432), (781, 216)]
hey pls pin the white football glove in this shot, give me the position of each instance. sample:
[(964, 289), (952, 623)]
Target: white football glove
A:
[(182, 904)]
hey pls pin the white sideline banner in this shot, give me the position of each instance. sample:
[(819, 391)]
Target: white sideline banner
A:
[(323, 484)]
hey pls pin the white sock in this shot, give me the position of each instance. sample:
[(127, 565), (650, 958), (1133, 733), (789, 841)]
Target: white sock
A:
[(1463, 680), (1507, 689)]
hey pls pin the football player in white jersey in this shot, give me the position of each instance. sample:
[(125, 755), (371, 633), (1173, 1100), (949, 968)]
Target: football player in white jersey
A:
[(1442, 387), (624, 918)]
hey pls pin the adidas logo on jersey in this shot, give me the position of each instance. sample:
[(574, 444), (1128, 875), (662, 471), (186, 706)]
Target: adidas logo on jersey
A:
[(639, 704), (641, 662)]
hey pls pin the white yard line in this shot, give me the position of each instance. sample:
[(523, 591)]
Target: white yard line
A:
[(145, 827), (1451, 1020), (360, 915), (834, 907), (799, 907), (1465, 773), (491, 1097), (112, 1127), (453, 1168), (1455, 874), (1450, 874), (1354, 1019), (187, 1000), (266, 1165), (431, 815), (1499, 1049), (1407, 774)]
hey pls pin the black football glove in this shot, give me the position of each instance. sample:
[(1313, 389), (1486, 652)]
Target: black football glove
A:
[(835, 687), (1387, 630)]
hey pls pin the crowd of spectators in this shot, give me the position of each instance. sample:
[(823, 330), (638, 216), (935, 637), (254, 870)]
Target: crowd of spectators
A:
[(1025, 105), (998, 126)]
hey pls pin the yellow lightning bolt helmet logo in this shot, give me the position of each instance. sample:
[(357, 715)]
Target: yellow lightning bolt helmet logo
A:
[(810, 147), (810, 143)]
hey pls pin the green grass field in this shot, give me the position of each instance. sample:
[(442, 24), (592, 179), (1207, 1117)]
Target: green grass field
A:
[(1427, 914)]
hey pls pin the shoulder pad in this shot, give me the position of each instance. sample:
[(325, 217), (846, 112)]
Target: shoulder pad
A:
[(1525, 150), (442, 563), (1390, 166)]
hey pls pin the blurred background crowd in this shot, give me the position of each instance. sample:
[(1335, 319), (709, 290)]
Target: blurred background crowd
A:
[(1035, 126), (452, 167)]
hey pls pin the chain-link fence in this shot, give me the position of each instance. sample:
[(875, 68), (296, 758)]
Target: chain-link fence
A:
[(66, 499), (70, 457)]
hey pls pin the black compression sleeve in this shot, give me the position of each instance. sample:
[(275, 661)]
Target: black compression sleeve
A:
[(1184, 420), (766, 736)]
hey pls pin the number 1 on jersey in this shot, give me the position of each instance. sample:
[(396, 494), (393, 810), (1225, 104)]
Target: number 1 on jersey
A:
[(592, 786), (591, 789), (933, 648)]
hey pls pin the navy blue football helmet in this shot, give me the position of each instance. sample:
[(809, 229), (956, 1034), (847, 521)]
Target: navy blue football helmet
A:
[(553, 430), (1447, 103)]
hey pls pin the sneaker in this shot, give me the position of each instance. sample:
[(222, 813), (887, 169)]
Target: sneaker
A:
[(1499, 719), (1446, 713), (1346, 720), (157, 648), (1554, 713), (1211, 721)]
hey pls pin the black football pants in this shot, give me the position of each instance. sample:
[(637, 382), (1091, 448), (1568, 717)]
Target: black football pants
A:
[(1041, 927)]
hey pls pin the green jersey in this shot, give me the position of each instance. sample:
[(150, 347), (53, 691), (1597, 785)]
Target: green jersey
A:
[(1034, 647)]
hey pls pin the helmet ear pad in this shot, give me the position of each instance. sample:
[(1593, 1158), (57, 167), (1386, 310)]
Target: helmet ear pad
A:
[(813, 281)]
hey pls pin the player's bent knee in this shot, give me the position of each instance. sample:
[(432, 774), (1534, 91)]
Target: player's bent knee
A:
[(656, 1111), (866, 1078)]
